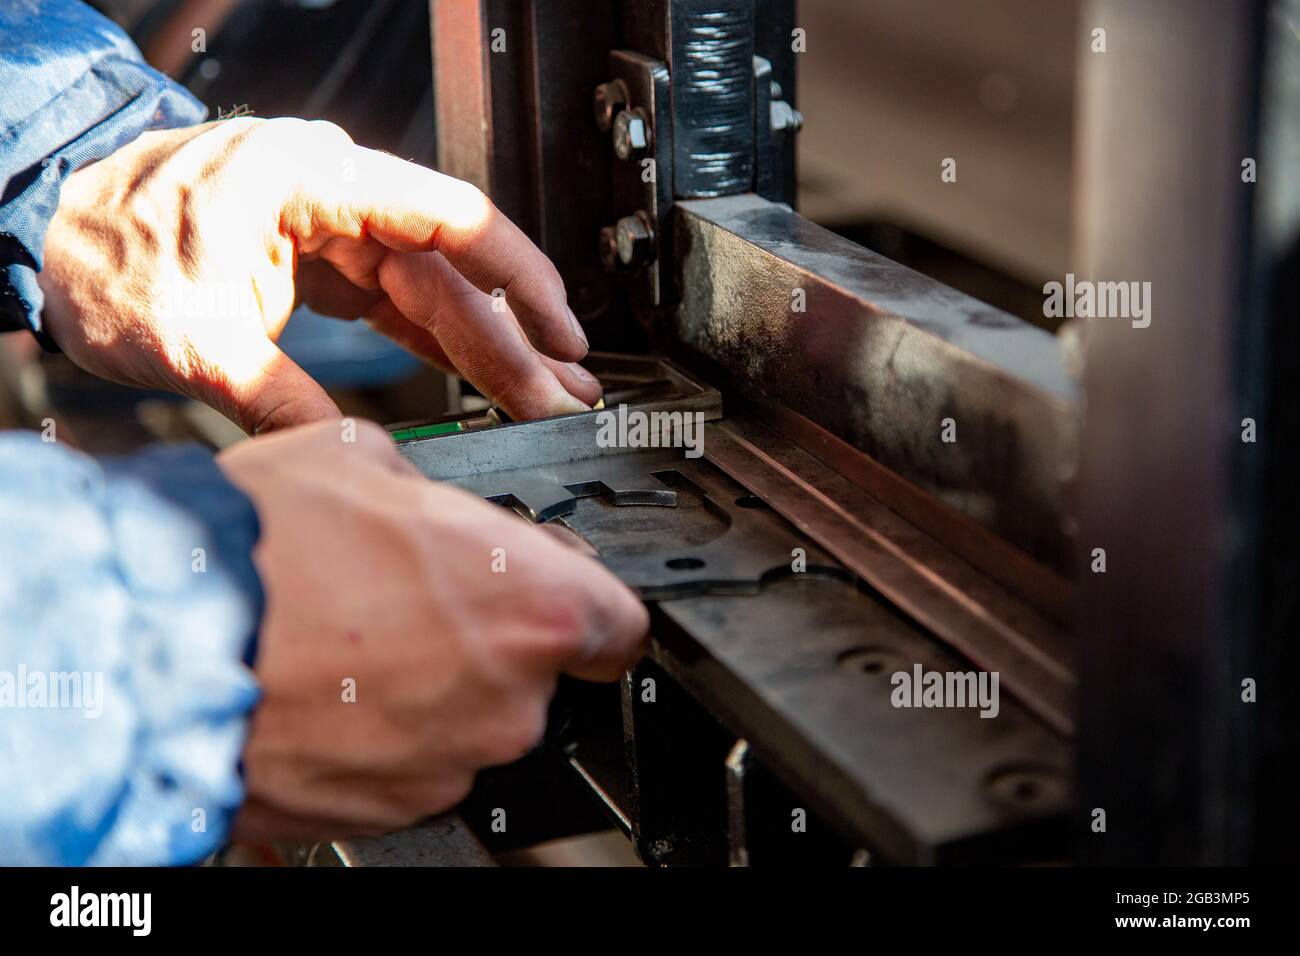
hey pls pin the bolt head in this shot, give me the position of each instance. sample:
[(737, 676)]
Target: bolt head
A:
[(636, 245), (631, 133), (610, 98), (784, 116)]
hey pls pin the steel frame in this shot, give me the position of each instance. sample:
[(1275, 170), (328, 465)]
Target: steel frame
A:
[(855, 387)]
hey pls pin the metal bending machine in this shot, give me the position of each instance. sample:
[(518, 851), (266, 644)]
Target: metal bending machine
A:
[(868, 474)]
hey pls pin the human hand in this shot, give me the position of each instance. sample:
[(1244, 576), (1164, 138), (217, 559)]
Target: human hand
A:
[(382, 582), (175, 262)]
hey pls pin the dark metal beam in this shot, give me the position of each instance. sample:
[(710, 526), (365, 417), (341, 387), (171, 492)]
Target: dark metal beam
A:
[(1168, 629), (514, 83), (881, 356)]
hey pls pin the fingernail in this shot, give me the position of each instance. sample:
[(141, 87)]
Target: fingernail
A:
[(577, 328)]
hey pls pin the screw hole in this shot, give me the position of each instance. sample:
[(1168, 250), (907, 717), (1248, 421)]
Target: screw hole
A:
[(869, 660), (1027, 786), (751, 501), (684, 564)]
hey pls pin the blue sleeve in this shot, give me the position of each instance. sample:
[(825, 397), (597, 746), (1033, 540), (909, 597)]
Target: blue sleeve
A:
[(72, 90), (129, 605)]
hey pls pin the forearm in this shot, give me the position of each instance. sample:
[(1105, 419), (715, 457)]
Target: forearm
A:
[(75, 90)]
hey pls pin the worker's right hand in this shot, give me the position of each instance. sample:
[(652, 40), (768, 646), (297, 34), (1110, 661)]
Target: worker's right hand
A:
[(413, 634)]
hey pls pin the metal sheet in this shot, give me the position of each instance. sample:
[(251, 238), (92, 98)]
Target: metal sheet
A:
[(777, 655), (563, 438)]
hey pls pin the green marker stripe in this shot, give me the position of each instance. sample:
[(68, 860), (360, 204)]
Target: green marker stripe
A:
[(427, 431)]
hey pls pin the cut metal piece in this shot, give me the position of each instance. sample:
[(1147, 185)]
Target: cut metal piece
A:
[(538, 497), (800, 665), (752, 544), (564, 438)]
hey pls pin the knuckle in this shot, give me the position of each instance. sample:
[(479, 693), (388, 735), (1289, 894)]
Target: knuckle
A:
[(451, 792), (519, 733), (565, 622), (460, 191), (329, 132), (465, 212), (435, 794), (237, 129), (284, 127), (549, 272), (304, 136)]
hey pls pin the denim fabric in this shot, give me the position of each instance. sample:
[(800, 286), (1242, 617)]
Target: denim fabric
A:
[(129, 604), (73, 89)]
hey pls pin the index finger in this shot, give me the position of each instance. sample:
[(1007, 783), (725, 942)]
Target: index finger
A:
[(409, 208)]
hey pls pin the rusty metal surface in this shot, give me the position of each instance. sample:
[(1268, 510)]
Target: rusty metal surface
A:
[(798, 662), (513, 83), (881, 357), (647, 84), (803, 672), (936, 588), (444, 840), (1044, 589)]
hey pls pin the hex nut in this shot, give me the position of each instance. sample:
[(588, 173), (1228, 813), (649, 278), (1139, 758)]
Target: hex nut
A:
[(631, 132), (784, 116), (636, 242)]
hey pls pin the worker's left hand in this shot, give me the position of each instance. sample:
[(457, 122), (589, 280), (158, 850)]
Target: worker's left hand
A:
[(175, 263)]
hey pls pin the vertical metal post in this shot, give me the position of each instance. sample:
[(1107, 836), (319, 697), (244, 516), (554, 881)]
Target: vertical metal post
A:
[(1169, 114)]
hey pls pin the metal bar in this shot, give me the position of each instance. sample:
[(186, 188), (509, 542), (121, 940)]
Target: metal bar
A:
[(886, 359), (445, 840), (737, 765), (513, 117), (936, 588), (803, 671), (570, 42), (1041, 587), (481, 125), (1167, 753)]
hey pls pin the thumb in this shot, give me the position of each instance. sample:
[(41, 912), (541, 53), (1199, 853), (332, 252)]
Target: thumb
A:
[(279, 394)]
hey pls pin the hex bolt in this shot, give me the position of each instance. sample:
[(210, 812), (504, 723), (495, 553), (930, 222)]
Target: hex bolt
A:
[(785, 116), (636, 240), (610, 99), (631, 132)]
